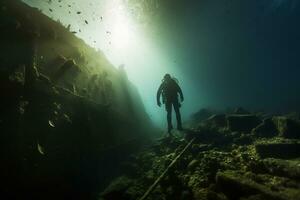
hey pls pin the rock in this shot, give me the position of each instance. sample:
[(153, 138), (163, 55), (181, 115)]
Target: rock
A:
[(266, 129), (288, 149), (242, 123), (282, 168), (193, 164), (288, 128), (197, 180), (236, 186)]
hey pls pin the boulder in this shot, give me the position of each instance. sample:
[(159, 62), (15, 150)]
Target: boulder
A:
[(286, 149), (242, 123), (287, 127), (266, 129)]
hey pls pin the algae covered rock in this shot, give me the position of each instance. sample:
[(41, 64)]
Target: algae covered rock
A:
[(283, 168), (278, 149), (207, 134), (193, 164), (287, 128), (236, 185)]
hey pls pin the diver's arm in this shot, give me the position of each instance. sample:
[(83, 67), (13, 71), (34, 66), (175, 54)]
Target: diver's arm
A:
[(159, 91), (180, 93)]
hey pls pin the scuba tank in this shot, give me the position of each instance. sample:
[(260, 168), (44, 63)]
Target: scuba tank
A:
[(164, 94)]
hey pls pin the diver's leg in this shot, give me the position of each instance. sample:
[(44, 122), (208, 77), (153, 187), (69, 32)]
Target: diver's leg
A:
[(169, 116), (178, 115)]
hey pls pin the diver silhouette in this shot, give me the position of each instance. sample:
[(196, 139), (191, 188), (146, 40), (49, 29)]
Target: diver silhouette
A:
[(169, 90)]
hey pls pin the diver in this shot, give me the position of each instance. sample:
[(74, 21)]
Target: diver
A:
[(169, 90)]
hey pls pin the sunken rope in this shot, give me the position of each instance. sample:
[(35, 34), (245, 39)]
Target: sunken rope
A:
[(153, 186)]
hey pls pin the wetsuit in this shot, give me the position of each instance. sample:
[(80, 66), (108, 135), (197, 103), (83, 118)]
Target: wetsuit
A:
[(169, 90)]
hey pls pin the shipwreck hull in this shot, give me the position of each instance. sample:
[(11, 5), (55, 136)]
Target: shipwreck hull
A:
[(67, 115)]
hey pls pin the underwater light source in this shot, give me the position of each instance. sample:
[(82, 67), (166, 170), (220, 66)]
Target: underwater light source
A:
[(122, 33)]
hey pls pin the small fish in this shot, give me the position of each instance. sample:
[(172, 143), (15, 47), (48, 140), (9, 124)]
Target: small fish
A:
[(50, 10), (40, 149), (78, 12), (67, 118), (86, 21), (74, 32), (51, 123)]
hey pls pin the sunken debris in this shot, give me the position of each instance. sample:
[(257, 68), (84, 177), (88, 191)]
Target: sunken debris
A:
[(234, 156)]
